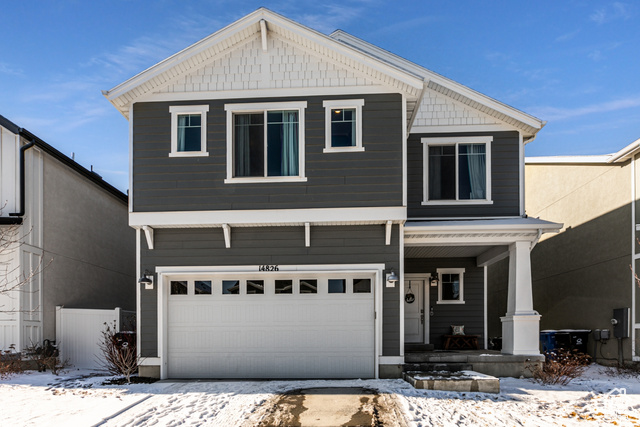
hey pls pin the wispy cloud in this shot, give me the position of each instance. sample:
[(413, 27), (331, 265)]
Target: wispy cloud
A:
[(567, 36), (555, 113), (10, 70), (611, 13)]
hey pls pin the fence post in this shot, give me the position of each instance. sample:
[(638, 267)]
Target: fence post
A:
[(117, 310)]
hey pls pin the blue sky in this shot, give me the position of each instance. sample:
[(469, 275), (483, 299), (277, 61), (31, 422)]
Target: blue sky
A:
[(575, 64)]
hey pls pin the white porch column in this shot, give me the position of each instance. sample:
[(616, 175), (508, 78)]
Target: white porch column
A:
[(521, 324)]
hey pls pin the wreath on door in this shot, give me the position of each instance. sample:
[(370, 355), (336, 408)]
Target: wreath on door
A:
[(409, 297)]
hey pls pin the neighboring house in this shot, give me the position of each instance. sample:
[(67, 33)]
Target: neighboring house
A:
[(71, 230), (282, 180), (583, 273)]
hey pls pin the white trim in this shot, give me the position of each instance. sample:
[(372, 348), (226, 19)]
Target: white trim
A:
[(138, 302), (307, 234), (177, 110), (486, 322), (458, 271), (521, 173), (263, 34), (227, 235), (461, 128), (456, 141), (355, 104), (401, 287), (634, 243), (149, 361), (404, 144), (165, 271), (387, 234), (148, 233), (264, 107), (269, 217), (391, 360), (130, 193)]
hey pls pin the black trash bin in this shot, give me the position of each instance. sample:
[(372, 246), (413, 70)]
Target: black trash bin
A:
[(579, 340), (563, 340)]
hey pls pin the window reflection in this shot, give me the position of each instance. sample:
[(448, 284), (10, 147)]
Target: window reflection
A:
[(337, 286), (308, 286), (284, 286), (230, 287), (361, 286), (178, 287), (255, 287)]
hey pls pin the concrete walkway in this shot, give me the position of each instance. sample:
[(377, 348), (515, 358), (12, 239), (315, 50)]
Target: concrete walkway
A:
[(333, 407)]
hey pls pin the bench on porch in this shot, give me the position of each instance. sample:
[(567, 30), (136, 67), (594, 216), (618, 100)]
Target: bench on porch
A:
[(460, 342)]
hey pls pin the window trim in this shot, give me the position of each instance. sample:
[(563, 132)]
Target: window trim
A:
[(486, 140), (177, 110), (328, 105), (264, 107), (460, 272)]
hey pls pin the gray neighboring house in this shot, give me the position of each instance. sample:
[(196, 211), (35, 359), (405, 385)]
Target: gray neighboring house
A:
[(583, 273), (306, 206), (72, 227)]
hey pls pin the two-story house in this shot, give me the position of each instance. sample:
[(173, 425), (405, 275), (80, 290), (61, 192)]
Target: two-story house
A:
[(307, 204)]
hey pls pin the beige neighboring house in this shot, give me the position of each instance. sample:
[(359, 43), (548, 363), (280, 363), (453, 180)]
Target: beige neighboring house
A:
[(583, 273), (72, 227)]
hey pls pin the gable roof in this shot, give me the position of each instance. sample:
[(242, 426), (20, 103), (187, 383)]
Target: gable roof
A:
[(621, 156), (90, 175), (529, 124), (378, 66)]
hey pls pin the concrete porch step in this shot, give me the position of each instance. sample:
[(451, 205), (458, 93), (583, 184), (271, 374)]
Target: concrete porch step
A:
[(418, 347), (436, 367), (430, 356), (460, 381)]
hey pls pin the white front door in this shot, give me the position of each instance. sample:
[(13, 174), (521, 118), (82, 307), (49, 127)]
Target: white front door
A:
[(414, 315)]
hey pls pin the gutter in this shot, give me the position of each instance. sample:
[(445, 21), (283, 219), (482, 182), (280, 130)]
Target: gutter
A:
[(22, 178)]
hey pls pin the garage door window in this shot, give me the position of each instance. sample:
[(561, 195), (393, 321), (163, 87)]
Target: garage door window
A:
[(178, 287), (361, 286), (255, 287), (202, 287), (284, 286), (230, 287), (308, 286), (337, 286)]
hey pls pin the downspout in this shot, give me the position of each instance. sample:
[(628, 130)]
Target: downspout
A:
[(22, 177)]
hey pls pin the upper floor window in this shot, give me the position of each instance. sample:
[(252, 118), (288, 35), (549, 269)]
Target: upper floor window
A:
[(343, 125), (265, 142), (457, 170), (188, 130)]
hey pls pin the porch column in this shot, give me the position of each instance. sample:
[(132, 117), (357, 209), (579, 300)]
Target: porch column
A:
[(521, 324)]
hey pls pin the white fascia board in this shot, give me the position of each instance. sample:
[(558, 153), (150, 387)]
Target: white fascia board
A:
[(626, 153), (525, 225), (461, 128), (568, 159), (271, 217), (437, 78)]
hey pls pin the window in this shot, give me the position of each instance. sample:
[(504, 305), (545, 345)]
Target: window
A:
[(337, 286), (457, 170), (178, 287), (284, 286), (361, 286), (202, 287), (343, 125), (308, 286), (230, 287), (255, 287), (450, 286), (265, 142), (188, 130)]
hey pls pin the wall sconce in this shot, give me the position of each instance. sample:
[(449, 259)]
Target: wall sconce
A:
[(146, 280), (434, 279), (391, 278)]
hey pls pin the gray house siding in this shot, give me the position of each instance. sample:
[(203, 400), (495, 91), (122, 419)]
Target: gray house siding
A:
[(272, 245), (356, 179), (505, 161), (470, 314)]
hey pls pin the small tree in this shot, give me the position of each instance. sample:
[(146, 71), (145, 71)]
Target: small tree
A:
[(120, 355)]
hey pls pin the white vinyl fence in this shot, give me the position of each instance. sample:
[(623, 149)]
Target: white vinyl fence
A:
[(78, 332)]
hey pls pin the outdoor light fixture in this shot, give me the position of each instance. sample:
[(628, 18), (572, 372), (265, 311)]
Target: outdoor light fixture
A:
[(434, 279), (146, 280), (391, 278)]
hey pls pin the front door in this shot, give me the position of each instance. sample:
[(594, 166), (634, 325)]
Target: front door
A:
[(414, 316)]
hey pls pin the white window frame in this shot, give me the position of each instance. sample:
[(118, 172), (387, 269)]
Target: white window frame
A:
[(258, 108), (356, 104), (426, 142), (460, 272), (178, 110)]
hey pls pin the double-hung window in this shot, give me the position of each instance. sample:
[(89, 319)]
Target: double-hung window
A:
[(343, 125), (265, 142), (188, 130), (457, 170), (451, 285)]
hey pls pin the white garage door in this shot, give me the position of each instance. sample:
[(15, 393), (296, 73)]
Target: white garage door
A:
[(285, 326)]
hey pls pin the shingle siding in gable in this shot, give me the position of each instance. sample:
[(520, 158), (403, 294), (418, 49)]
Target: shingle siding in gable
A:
[(357, 179), (505, 183)]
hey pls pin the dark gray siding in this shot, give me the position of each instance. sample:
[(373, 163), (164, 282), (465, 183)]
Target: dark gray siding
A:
[(361, 179), (272, 245), (505, 187), (470, 314)]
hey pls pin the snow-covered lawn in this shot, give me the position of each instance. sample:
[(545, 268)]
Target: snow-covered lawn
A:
[(45, 400)]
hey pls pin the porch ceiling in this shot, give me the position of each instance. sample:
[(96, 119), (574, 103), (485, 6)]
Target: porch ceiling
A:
[(444, 251)]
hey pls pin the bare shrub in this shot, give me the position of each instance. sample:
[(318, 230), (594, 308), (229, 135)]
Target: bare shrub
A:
[(10, 362), (119, 352), (561, 366), (47, 357)]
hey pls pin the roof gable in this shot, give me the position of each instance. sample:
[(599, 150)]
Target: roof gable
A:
[(259, 32)]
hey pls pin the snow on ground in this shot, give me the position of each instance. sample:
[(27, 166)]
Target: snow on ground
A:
[(77, 399)]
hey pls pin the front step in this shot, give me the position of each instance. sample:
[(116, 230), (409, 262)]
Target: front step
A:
[(437, 367), (418, 347), (463, 381)]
